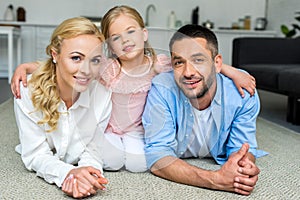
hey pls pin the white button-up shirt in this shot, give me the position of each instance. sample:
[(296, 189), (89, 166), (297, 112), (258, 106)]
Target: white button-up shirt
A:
[(76, 140)]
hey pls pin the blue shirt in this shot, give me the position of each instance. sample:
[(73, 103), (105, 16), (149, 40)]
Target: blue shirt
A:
[(168, 120)]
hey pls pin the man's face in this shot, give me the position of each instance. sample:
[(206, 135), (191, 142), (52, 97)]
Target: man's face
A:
[(194, 69)]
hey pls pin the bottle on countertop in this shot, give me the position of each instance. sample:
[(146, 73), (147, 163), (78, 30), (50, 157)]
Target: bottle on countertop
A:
[(21, 14), (247, 22), (195, 15), (9, 13), (172, 20), (241, 23)]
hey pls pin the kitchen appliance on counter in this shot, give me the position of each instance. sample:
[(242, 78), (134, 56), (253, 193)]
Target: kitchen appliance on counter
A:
[(208, 24), (261, 23), (9, 13)]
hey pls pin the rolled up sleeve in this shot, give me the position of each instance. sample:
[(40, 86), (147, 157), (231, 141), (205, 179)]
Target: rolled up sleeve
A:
[(160, 133)]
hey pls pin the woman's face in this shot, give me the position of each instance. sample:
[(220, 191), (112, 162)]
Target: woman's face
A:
[(126, 37), (78, 63)]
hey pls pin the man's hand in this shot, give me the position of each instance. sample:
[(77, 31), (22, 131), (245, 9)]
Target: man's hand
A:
[(83, 182), (231, 171), (248, 168)]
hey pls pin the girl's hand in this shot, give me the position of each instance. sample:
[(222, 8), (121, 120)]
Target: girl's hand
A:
[(245, 81), (242, 80), (20, 75)]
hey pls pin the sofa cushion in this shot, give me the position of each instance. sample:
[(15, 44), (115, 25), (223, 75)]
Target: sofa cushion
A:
[(265, 51), (266, 75), (289, 80)]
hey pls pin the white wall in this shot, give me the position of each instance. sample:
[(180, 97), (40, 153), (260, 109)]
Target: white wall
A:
[(221, 12), (282, 12)]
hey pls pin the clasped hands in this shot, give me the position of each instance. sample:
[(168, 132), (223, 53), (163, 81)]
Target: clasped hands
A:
[(83, 181), (239, 174)]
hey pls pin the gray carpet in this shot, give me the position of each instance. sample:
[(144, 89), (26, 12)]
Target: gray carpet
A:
[(279, 178)]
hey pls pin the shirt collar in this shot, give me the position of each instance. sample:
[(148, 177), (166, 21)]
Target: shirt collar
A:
[(83, 100), (218, 95), (216, 103)]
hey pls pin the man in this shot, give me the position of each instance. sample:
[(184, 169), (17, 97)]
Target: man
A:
[(196, 112)]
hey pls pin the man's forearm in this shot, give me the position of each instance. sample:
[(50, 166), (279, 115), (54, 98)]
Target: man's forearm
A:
[(179, 171)]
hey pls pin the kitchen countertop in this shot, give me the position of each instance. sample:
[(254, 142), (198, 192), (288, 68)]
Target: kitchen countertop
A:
[(229, 31), (16, 23), (238, 31)]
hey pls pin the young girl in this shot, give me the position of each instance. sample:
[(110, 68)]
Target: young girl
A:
[(128, 75)]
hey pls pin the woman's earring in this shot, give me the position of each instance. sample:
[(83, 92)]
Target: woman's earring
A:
[(54, 61)]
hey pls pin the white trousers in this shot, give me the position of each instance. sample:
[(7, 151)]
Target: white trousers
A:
[(125, 150)]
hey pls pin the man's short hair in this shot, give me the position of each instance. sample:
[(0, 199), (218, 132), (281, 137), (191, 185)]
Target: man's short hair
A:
[(196, 31)]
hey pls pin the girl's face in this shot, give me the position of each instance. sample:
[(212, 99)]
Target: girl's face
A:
[(78, 63), (126, 37)]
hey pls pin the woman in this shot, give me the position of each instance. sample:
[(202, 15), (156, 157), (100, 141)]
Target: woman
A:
[(63, 111)]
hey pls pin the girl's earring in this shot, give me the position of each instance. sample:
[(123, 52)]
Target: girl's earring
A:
[(54, 61)]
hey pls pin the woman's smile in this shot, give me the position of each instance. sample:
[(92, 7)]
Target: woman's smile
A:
[(82, 80)]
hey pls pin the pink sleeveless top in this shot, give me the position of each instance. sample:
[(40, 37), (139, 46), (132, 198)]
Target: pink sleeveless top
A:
[(129, 93)]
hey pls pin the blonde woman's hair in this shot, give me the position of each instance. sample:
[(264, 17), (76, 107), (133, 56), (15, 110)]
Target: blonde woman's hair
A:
[(45, 95), (115, 12)]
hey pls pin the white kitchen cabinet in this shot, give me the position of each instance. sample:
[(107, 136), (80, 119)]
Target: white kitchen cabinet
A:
[(43, 36), (10, 41), (159, 39), (35, 39), (28, 38)]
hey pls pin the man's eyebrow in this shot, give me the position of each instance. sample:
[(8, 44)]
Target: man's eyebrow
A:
[(197, 54), (192, 56), (177, 57)]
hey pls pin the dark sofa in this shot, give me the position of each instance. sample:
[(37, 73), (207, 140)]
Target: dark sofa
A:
[(275, 64)]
